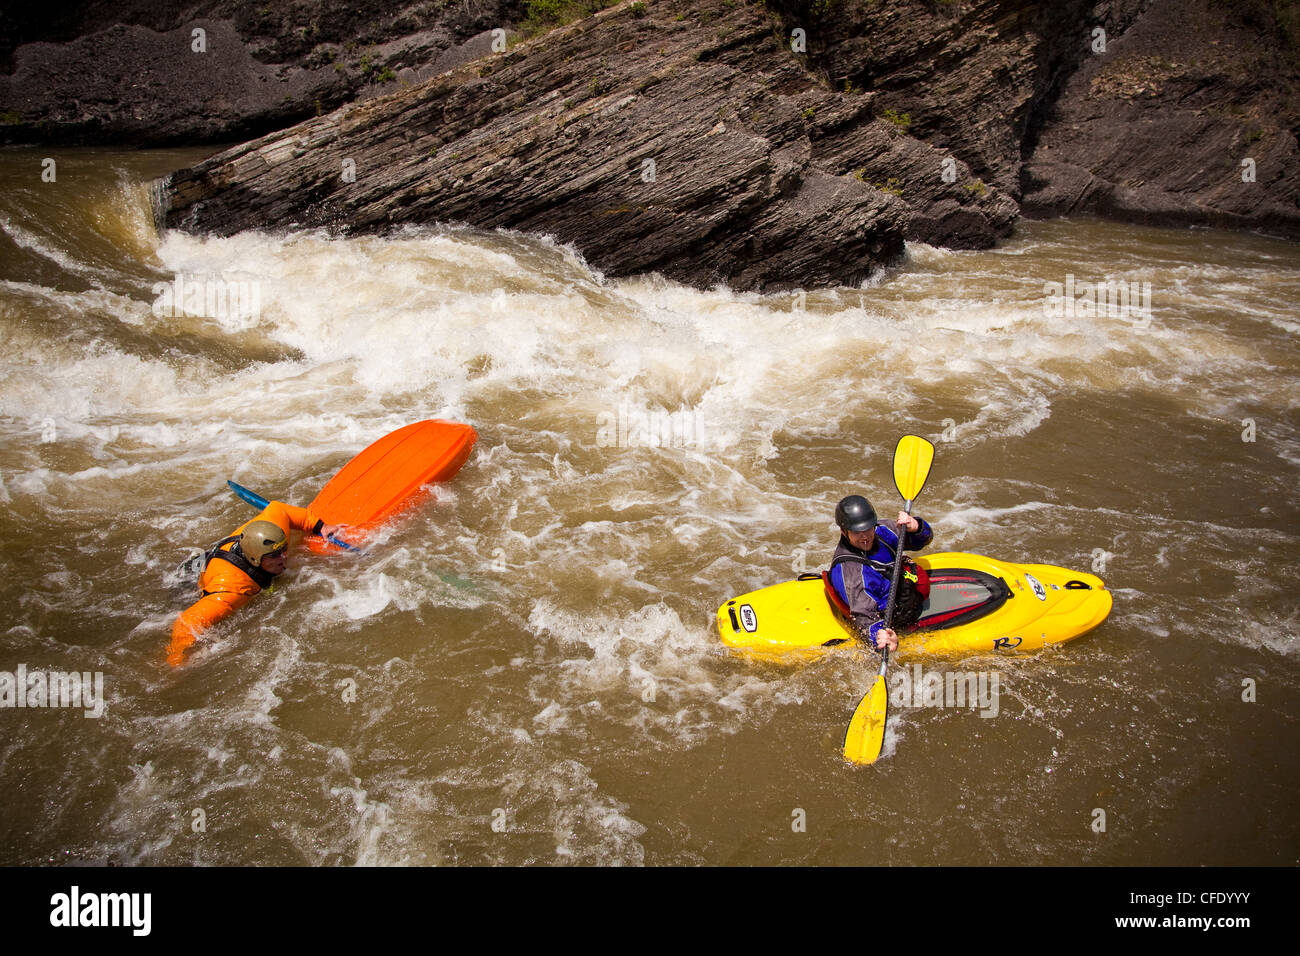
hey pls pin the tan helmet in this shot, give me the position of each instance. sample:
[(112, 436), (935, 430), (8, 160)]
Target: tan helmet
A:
[(262, 538)]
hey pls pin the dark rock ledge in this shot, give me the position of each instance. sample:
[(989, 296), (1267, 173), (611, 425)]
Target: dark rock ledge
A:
[(687, 136), (686, 139), (1191, 117)]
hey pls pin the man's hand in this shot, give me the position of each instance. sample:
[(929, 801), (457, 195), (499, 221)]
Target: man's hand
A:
[(907, 521), (887, 638), (328, 531)]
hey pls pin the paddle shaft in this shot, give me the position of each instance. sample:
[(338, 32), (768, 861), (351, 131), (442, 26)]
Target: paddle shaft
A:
[(897, 574), (257, 501), (894, 578), (252, 497)]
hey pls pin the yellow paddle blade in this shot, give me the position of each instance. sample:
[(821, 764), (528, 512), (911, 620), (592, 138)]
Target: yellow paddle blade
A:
[(912, 460), (866, 734)]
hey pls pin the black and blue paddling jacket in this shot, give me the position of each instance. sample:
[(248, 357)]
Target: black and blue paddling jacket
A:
[(862, 578)]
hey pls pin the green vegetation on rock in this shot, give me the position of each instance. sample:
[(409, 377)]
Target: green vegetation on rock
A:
[(543, 15), (900, 120)]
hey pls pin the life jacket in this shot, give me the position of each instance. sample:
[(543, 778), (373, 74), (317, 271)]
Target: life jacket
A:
[(913, 585), (234, 555)]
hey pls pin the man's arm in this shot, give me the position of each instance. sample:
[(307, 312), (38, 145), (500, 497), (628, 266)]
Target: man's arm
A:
[(918, 539), (288, 516), (200, 616), (304, 519), (864, 605)]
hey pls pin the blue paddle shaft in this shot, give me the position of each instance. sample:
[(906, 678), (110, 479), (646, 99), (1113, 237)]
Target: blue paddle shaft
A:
[(257, 501)]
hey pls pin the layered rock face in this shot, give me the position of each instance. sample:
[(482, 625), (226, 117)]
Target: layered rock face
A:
[(695, 140), (1189, 117), (762, 144), (163, 72)]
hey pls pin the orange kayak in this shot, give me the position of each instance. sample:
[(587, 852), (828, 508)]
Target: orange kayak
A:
[(391, 475)]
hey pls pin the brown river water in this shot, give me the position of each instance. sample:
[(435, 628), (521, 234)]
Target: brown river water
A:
[(526, 671)]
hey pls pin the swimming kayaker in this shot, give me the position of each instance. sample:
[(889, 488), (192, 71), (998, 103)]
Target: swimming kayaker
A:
[(862, 569), (239, 568)]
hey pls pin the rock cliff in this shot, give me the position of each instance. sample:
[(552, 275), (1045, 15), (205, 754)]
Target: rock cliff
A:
[(765, 145), (1189, 117)]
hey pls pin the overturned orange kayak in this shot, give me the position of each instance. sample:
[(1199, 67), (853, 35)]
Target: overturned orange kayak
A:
[(392, 474)]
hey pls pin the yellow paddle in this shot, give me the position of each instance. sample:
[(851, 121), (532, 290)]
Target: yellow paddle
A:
[(866, 733)]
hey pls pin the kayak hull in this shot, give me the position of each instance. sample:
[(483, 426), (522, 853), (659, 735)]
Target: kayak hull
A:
[(390, 476), (977, 605)]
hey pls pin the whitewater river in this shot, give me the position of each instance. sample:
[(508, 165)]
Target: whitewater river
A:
[(527, 671)]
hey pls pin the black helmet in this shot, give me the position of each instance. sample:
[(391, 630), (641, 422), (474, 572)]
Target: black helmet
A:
[(855, 513)]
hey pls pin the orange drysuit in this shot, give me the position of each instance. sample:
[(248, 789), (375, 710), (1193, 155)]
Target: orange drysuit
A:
[(224, 587)]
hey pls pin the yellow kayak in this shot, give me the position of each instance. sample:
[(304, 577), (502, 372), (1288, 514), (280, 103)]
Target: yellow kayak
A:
[(977, 605)]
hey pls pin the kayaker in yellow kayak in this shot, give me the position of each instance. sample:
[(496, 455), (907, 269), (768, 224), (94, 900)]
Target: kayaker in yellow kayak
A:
[(862, 567)]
